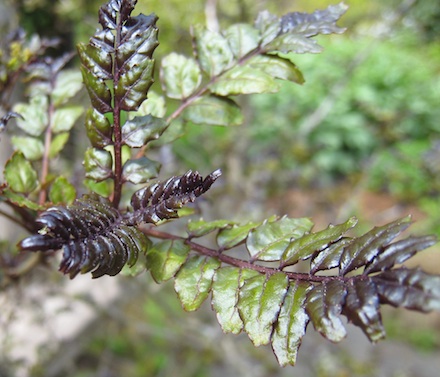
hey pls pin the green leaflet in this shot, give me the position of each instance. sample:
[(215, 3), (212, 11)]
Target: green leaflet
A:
[(201, 228), (34, 115), (268, 25), (304, 247), (230, 237), (20, 200), (213, 51), (193, 281), (98, 164), (242, 38), (363, 249), (65, 118), (324, 305), (295, 43), (180, 76), (58, 143), (99, 129), (259, 304), (225, 293), (20, 175), (140, 170), (138, 131), (214, 111), (96, 68), (269, 241), (291, 324), (244, 80), (31, 147), (68, 83), (277, 67), (62, 192), (165, 258)]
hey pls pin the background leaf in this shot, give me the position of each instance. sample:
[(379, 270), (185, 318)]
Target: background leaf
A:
[(214, 111), (62, 192), (242, 38), (180, 76), (65, 118), (20, 175), (31, 147), (138, 131), (34, 114)]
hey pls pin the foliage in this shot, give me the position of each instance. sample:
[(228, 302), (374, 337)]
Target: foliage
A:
[(262, 295)]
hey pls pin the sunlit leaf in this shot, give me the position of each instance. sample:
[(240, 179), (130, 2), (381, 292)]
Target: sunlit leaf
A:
[(269, 26), (277, 67), (269, 241), (140, 170), (165, 258), (291, 324), (259, 303), (200, 228), (20, 175), (154, 105), (304, 247), (213, 51), (180, 75), (242, 38), (31, 147), (226, 285), (34, 115), (194, 280), (229, 237), (214, 111), (296, 43), (244, 80)]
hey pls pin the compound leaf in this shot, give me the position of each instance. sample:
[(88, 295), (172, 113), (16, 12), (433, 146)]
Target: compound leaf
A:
[(201, 228), (277, 67), (268, 25), (229, 237), (259, 304), (193, 281)]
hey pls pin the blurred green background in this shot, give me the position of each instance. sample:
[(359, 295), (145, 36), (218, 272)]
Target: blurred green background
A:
[(361, 136)]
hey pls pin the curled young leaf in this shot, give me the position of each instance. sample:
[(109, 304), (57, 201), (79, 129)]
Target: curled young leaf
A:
[(92, 235), (162, 200)]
